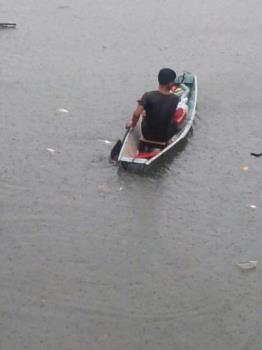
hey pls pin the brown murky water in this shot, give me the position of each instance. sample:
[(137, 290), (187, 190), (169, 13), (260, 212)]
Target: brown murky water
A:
[(93, 258)]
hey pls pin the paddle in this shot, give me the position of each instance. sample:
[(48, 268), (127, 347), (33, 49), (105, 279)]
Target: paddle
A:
[(117, 148)]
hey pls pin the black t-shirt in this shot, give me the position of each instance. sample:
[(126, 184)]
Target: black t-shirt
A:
[(159, 111)]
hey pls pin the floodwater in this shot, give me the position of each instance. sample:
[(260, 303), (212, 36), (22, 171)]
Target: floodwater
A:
[(93, 258)]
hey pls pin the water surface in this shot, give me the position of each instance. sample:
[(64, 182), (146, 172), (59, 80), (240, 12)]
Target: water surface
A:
[(94, 258)]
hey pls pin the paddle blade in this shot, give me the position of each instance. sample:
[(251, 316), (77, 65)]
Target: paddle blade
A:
[(116, 150)]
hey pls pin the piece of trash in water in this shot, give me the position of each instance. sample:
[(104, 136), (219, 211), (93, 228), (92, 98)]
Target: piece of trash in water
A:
[(43, 302), (51, 150), (245, 168), (121, 188), (63, 7), (104, 188), (249, 265), (256, 154), (107, 142), (7, 25), (253, 206), (63, 110)]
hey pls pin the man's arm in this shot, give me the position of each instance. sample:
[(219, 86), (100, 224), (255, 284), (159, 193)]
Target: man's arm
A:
[(136, 115)]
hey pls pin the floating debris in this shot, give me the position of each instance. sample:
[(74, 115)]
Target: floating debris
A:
[(253, 206), (107, 142), (245, 168), (104, 188), (63, 7), (7, 25), (63, 110), (256, 154), (249, 265), (50, 150), (121, 188), (43, 302)]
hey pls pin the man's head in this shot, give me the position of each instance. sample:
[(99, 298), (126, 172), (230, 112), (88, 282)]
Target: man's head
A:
[(166, 77)]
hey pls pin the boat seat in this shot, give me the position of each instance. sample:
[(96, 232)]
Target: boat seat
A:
[(153, 143)]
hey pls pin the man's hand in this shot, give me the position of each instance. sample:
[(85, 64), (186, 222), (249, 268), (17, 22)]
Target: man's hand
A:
[(129, 124), (136, 115)]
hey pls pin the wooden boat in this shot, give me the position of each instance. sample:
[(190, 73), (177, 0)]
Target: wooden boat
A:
[(131, 154)]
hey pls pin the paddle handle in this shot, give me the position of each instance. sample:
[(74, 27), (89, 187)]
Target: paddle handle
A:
[(126, 133)]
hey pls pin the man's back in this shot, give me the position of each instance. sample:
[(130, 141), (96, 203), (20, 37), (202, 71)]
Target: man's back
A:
[(159, 109)]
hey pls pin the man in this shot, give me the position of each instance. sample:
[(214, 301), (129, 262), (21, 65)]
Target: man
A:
[(158, 108)]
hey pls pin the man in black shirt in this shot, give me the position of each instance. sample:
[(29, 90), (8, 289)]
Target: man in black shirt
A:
[(158, 108)]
